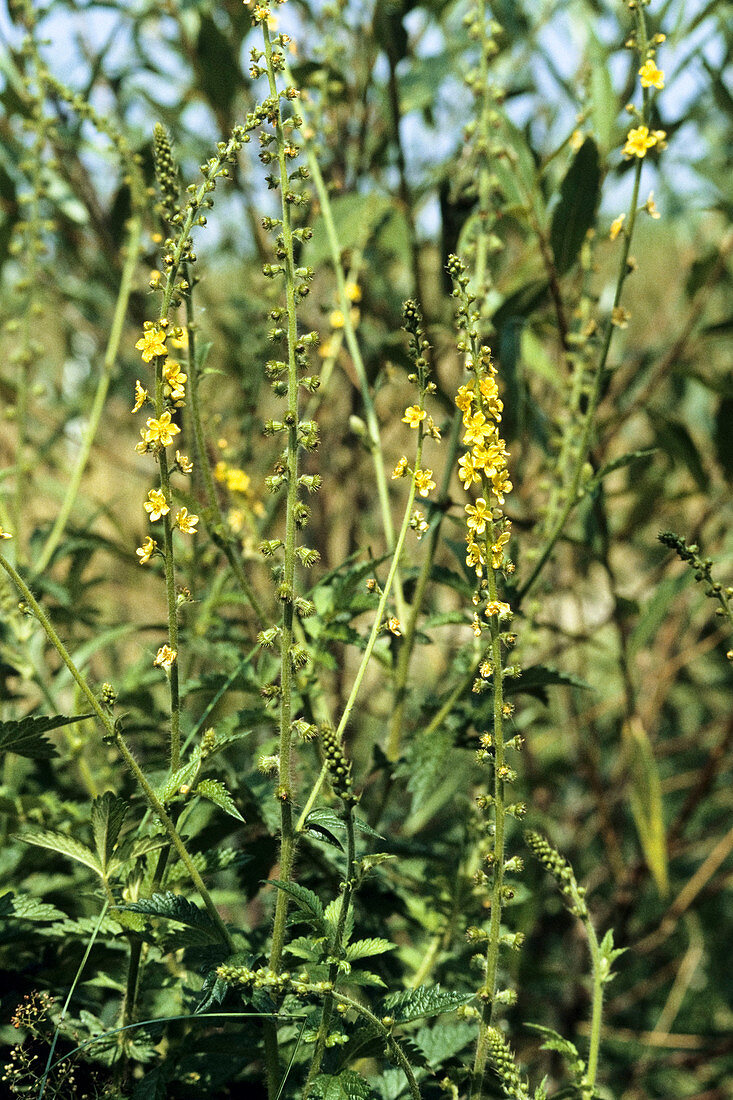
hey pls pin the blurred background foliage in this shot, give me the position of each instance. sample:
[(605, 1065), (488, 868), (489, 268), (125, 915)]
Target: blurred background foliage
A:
[(628, 721)]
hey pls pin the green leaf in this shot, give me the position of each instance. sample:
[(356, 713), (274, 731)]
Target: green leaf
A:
[(319, 830), (444, 1040), (108, 816), (310, 904), (534, 681), (216, 792), (362, 949), (322, 816), (604, 102), (619, 463), (355, 217), (25, 737), (345, 1086), (647, 805), (24, 907), (575, 213), (555, 1041), (426, 1000), (65, 846), (177, 908)]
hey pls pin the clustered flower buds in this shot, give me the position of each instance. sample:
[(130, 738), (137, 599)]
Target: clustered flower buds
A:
[(339, 768)]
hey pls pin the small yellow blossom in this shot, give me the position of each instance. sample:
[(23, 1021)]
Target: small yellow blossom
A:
[(467, 471), (179, 339), (639, 140), (5, 534), (400, 468), (651, 76), (220, 471), (327, 348), (156, 277), (152, 343), (185, 522), (497, 549), (576, 140), (477, 428), (165, 657), (424, 482), (393, 625), (336, 320), (478, 516), (156, 505), (161, 431), (496, 607), (413, 415), (353, 292), (650, 207), (146, 551), (464, 398), (620, 317), (501, 485), (235, 519), (141, 396), (616, 227), (175, 381), (475, 558), (185, 465), (418, 523), (237, 480)]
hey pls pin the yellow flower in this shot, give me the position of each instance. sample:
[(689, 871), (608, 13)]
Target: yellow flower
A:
[(418, 523), (353, 292), (165, 657), (336, 320), (5, 534), (501, 485), (620, 317), (399, 470), (464, 398), (616, 227), (146, 551), (175, 381), (179, 339), (237, 480), (141, 396), (576, 140), (185, 465), (413, 415), (497, 549), (477, 428), (220, 471), (639, 140), (488, 388), (467, 471), (327, 349), (162, 430), (152, 343), (650, 207), (478, 516), (424, 482), (651, 76), (393, 625), (235, 519), (475, 557), (156, 505), (185, 522), (496, 607)]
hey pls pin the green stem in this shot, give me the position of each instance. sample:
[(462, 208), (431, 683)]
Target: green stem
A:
[(597, 1006), (370, 413), (170, 589), (335, 950), (398, 1055), (100, 396)]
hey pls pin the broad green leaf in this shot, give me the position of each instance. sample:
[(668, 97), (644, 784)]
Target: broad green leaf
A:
[(24, 907), (65, 846), (444, 1039), (331, 820), (604, 102), (426, 1000), (183, 777), (25, 737), (345, 1086), (362, 949), (216, 792), (646, 801), (108, 816), (177, 908), (575, 213)]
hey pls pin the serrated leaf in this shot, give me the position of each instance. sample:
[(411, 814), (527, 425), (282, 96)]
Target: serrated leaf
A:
[(310, 904), (575, 213), (322, 816), (217, 793), (647, 805), (363, 949), (65, 846), (25, 737), (555, 1041), (176, 908), (444, 1040), (24, 907), (344, 1086), (182, 777), (426, 1000), (108, 816)]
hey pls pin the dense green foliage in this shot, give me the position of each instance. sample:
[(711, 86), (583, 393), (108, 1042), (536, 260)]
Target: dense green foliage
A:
[(276, 789)]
